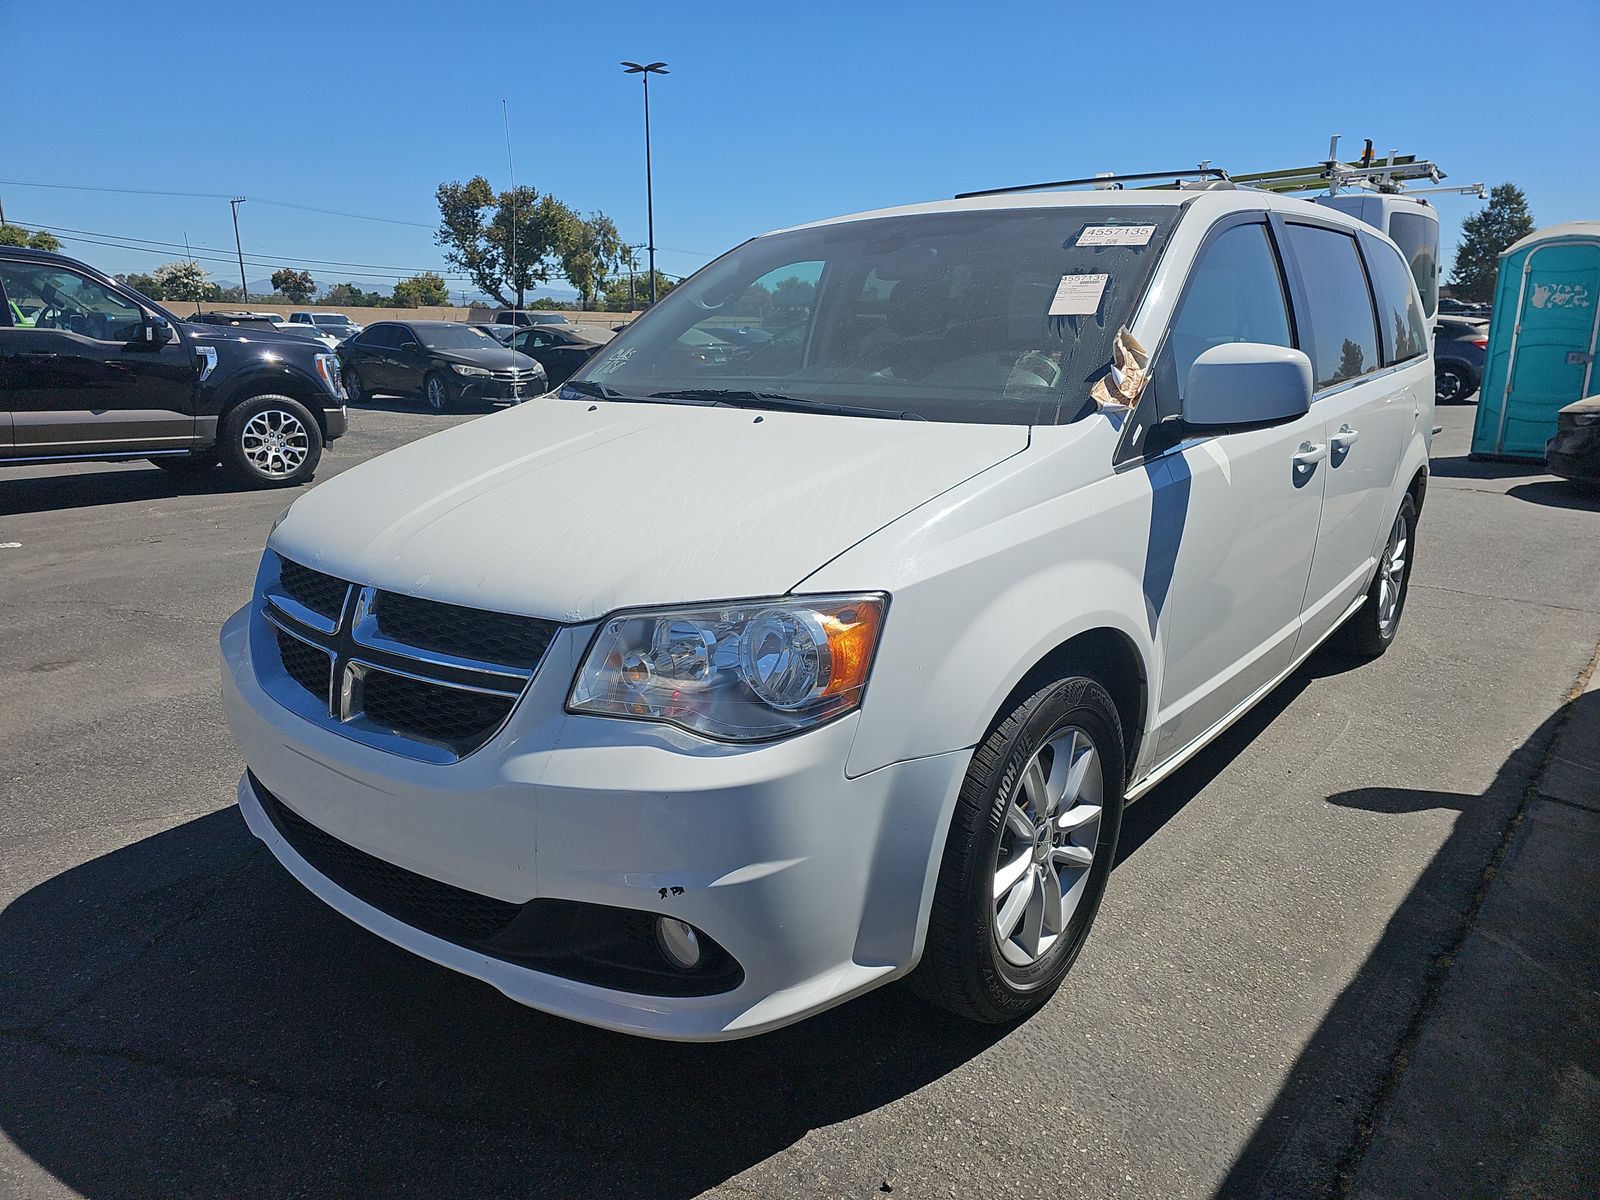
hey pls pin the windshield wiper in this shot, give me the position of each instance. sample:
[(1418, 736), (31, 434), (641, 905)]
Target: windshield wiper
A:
[(600, 391), (777, 402)]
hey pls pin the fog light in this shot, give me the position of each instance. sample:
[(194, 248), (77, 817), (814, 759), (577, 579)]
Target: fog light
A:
[(679, 943)]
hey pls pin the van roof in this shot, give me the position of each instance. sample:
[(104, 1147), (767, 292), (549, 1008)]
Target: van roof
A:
[(1215, 200)]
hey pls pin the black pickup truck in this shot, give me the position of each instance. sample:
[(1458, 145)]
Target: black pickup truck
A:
[(90, 369)]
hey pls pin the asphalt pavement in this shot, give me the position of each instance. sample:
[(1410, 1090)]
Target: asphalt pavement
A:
[(1281, 944)]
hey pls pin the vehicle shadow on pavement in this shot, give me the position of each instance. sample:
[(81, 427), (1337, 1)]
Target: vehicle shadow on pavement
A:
[(128, 485), (180, 1018), (1558, 494), (413, 406), (1337, 1092)]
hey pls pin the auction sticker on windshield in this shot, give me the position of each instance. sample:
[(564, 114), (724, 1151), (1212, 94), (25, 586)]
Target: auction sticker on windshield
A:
[(1078, 295), (1116, 235)]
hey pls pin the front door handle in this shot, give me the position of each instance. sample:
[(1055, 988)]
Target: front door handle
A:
[(38, 355), (1310, 454), (1344, 439)]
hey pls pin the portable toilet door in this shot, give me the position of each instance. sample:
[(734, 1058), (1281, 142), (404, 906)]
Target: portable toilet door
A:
[(1542, 339)]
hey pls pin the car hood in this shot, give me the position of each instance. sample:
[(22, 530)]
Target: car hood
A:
[(493, 358), (566, 509)]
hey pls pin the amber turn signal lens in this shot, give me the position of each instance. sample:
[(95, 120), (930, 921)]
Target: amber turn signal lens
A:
[(852, 633)]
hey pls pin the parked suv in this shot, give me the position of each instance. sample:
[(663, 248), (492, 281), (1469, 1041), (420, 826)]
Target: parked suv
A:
[(709, 692), (339, 325), (99, 371)]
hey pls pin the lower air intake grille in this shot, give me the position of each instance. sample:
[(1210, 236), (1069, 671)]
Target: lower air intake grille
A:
[(426, 904)]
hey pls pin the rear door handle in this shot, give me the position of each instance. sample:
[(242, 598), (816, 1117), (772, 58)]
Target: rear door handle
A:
[(1344, 439), (1310, 454), (38, 355)]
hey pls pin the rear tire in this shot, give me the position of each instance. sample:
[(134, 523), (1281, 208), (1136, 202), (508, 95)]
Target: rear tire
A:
[(270, 441), (1452, 384), (1371, 630), (1022, 877)]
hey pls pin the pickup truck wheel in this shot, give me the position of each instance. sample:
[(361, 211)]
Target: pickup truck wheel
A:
[(187, 466), (270, 441), (436, 393), (1371, 629), (1029, 852)]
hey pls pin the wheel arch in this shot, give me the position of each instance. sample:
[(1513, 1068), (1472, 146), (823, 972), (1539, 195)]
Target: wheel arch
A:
[(276, 382)]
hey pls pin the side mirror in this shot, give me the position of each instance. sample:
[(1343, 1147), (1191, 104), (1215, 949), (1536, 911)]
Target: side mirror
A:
[(157, 331), (1247, 383)]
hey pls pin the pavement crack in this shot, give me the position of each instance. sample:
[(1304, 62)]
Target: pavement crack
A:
[(1434, 587)]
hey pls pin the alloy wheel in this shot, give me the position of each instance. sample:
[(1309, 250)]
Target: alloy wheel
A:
[(1047, 846), (1391, 575), (437, 398), (1448, 386), (275, 443)]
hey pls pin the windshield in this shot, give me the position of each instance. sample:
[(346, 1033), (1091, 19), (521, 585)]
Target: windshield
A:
[(454, 337), (994, 316)]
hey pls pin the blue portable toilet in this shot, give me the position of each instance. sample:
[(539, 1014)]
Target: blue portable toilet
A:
[(1541, 339)]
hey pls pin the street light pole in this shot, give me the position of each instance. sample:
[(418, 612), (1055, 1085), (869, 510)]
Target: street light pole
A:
[(645, 70), (237, 245)]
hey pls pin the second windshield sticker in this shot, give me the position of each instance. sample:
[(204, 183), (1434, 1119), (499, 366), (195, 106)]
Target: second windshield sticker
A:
[(1078, 295), (1116, 235)]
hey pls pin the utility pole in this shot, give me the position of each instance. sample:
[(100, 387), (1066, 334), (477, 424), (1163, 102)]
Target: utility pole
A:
[(238, 246), (644, 71)]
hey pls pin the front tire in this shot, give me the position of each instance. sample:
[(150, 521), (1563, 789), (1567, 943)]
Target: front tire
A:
[(270, 441), (1028, 855), (436, 393), (1372, 629), (354, 392)]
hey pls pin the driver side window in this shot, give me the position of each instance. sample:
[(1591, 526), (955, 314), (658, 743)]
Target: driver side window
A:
[(52, 297), (1235, 294)]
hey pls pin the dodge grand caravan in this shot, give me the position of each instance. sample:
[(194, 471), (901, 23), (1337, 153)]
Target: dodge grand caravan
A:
[(712, 691)]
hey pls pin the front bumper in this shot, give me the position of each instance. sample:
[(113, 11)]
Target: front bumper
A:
[(817, 884), (498, 391), (1574, 453)]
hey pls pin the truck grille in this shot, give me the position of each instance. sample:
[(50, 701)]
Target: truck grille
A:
[(417, 677)]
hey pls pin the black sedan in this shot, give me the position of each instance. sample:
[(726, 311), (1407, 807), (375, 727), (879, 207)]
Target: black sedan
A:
[(560, 349), (442, 362), (1459, 345), (1574, 452)]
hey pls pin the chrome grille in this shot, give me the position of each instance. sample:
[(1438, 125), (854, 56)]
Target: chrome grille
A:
[(514, 375), (416, 677)]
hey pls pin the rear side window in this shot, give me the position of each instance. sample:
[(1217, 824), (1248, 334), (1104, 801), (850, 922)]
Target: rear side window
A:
[(1418, 239), (1405, 329), (1344, 330)]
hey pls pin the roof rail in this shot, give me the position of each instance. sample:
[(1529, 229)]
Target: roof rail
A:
[(1114, 182)]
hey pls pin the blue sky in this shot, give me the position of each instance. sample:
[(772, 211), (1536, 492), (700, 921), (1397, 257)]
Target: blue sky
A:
[(771, 115)]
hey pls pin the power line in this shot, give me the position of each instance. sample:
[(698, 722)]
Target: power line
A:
[(219, 258), (328, 212), (265, 258)]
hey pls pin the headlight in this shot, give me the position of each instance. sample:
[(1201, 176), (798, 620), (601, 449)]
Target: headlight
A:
[(328, 370), (741, 671), (463, 369)]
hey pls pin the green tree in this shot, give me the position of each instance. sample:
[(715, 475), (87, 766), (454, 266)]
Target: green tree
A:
[(350, 295), (1483, 236), (39, 239), (618, 298), (593, 251), (507, 242), (145, 284), (297, 286), (426, 288)]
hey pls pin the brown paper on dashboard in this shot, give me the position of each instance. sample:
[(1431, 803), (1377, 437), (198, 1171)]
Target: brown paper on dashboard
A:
[(1130, 371)]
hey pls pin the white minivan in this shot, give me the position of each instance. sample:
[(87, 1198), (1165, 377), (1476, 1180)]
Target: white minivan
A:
[(713, 690)]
